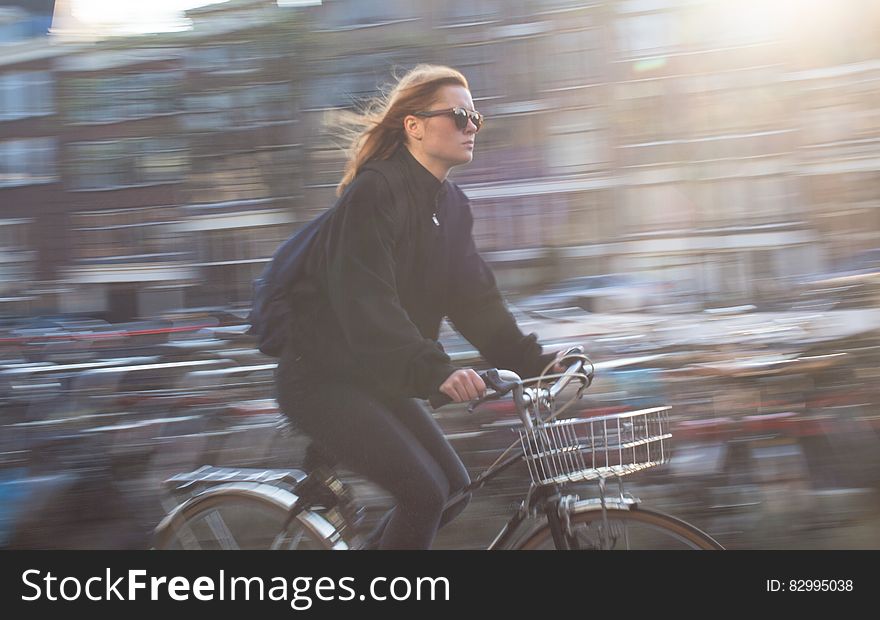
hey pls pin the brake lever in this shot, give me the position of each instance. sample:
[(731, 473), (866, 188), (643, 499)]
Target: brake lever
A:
[(485, 399), (499, 388)]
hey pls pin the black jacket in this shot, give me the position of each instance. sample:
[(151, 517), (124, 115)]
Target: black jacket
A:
[(395, 257)]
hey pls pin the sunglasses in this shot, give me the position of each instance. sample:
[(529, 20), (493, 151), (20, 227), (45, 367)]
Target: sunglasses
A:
[(461, 116)]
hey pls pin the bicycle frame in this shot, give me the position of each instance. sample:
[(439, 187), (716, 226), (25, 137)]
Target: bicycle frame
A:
[(319, 493), (322, 488), (549, 500)]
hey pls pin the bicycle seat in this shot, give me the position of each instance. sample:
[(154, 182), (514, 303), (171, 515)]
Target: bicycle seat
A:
[(210, 476)]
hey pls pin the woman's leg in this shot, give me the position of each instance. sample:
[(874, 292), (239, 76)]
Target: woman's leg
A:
[(416, 417), (367, 437)]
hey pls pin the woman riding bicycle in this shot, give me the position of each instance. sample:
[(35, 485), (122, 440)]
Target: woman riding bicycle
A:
[(394, 259)]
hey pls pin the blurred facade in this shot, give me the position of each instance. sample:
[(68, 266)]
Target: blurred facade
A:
[(723, 147), (29, 130)]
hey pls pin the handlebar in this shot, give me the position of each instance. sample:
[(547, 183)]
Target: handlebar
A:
[(528, 399), (492, 379)]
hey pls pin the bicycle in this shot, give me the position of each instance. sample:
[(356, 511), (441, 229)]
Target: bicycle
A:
[(310, 508)]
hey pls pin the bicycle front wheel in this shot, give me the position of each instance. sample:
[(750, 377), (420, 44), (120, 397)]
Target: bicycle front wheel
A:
[(622, 529), (232, 519)]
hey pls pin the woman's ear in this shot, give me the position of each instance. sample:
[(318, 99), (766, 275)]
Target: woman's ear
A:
[(413, 127)]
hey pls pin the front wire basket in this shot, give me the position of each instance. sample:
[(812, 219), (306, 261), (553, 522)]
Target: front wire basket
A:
[(574, 450)]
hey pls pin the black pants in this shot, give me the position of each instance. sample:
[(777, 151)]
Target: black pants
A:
[(393, 442)]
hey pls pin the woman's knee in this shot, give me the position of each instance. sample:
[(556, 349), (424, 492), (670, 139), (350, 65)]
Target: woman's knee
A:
[(455, 509), (459, 480)]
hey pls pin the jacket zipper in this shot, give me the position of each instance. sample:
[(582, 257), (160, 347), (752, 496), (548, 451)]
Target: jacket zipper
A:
[(434, 215)]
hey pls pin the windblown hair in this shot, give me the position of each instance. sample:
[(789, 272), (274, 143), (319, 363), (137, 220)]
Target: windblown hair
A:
[(377, 132)]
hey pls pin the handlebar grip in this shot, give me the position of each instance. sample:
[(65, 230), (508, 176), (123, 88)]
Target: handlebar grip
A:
[(490, 378)]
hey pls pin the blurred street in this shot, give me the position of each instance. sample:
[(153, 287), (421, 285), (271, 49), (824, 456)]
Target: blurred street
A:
[(774, 445)]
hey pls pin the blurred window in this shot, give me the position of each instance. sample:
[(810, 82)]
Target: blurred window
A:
[(232, 57), (365, 12), (205, 111), (518, 79), (228, 177), (734, 196), (576, 142), (576, 59), (643, 6), (835, 115), (221, 171), (208, 58), (642, 111), (28, 161), (252, 105), (17, 266), (645, 35), (123, 96), (731, 23), (563, 4), (708, 209), (11, 32), (120, 163), (477, 10), (656, 208), (26, 93), (240, 244), (14, 234), (774, 199), (125, 232), (348, 81), (479, 65), (580, 218), (327, 165), (344, 86), (734, 102)]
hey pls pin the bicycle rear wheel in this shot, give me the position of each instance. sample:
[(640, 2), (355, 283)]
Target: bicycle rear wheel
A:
[(232, 519), (633, 529)]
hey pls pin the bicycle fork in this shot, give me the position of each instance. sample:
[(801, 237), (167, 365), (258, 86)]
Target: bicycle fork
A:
[(560, 508)]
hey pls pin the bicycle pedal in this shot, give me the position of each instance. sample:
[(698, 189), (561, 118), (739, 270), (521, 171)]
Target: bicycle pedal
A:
[(358, 518)]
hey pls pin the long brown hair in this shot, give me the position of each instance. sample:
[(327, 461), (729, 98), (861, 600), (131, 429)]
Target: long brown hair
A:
[(377, 132)]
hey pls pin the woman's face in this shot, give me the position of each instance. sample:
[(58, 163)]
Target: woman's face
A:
[(442, 143)]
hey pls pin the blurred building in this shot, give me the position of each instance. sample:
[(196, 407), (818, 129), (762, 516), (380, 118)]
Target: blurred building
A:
[(30, 191), (723, 147), (835, 75), (176, 164), (357, 48), (708, 196), (736, 161), (243, 124), (124, 164), (541, 176), (671, 138)]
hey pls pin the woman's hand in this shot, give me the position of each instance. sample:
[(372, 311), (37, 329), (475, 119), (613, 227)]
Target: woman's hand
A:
[(557, 365), (463, 385)]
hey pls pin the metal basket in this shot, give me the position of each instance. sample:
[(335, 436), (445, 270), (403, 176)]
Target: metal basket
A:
[(616, 445)]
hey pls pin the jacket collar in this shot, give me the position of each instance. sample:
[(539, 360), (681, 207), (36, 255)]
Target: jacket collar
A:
[(426, 186)]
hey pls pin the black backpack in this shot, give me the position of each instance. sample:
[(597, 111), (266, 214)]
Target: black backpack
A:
[(271, 307), (269, 317)]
